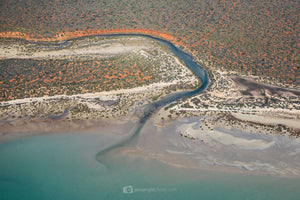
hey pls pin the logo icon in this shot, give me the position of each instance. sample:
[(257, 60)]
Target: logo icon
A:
[(128, 189)]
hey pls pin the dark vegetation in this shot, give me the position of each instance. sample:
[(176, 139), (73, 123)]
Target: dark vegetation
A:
[(253, 37)]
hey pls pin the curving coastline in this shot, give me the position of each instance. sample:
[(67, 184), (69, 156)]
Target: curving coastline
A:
[(149, 109), (165, 39), (144, 143)]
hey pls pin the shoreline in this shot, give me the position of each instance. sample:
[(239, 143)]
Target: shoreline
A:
[(49, 127), (87, 102), (167, 153), (166, 145), (173, 150)]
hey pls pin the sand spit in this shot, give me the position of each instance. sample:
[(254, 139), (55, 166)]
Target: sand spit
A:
[(188, 130), (293, 123)]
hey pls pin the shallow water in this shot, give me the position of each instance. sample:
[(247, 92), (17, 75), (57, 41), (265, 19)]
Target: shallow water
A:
[(62, 166), (232, 149)]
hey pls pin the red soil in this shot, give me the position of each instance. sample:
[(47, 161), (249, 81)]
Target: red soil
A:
[(70, 35)]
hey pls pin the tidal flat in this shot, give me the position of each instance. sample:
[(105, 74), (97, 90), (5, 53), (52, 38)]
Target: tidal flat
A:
[(99, 148), (63, 166)]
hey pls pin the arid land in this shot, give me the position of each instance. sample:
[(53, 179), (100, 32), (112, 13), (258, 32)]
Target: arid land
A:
[(100, 84), (51, 106), (136, 71)]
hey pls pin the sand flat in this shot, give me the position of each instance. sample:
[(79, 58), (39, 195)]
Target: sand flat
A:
[(293, 123)]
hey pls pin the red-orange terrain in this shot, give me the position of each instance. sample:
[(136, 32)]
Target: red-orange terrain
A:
[(35, 78), (254, 37)]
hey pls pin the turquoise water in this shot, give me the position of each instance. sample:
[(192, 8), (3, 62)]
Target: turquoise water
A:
[(63, 166)]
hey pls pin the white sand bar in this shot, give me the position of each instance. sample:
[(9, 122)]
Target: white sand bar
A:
[(293, 123)]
